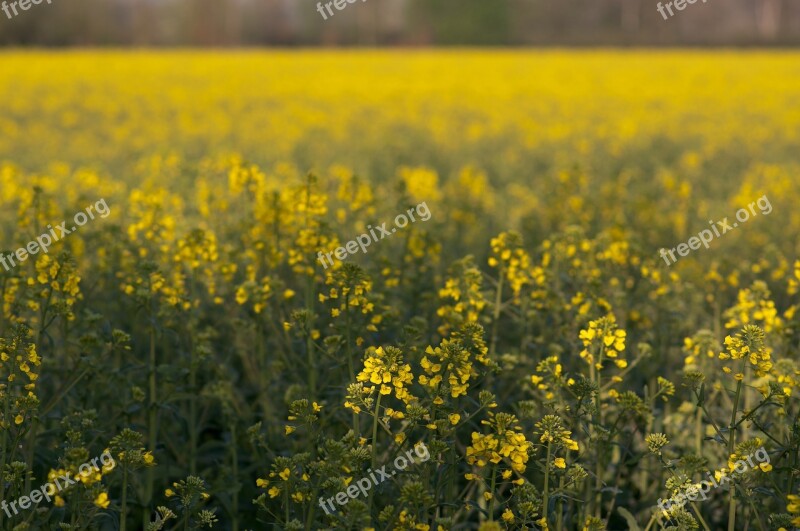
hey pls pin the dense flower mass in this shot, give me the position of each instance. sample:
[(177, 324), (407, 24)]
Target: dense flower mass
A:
[(559, 374)]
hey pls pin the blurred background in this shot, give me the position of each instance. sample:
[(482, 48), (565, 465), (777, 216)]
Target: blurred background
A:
[(402, 23)]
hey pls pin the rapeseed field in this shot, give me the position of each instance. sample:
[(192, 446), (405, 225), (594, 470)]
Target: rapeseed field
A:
[(520, 357)]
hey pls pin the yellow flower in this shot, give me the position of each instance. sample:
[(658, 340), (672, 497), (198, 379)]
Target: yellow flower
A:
[(560, 463), (169, 493), (285, 474), (356, 409), (110, 466), (102, 500), (274, 492), (794, 503), (241, 295), (508, 516), (765, 467), (262, 482), (454, 418)]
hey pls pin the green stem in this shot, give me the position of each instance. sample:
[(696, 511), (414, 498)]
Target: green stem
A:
[(192, 385), (192, 414), (559, 505), (123, 515), (598, 420), (312, 363), (286, 504), (235, 465), (310, 295), (546, 495), (497, 303), (151, 421), (375, 431), (751, 413), (700, 517), (375, 441), (350, 364), (755, 511), (650, 523), (731, 442), (4, 450), (698, 432), (494, 482), (711, 420)]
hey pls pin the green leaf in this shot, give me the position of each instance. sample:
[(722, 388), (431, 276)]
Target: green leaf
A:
[(632, 525)]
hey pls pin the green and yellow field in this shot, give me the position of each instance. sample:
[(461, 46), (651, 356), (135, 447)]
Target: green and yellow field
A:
[(529, 335)]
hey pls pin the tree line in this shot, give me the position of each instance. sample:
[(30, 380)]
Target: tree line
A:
[(401, 23)]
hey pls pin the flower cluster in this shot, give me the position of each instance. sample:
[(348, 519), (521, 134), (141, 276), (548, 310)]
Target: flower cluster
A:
[(602, 339), (452, 363), (754, 307), (18, 374), (512, 260), (462, 293), (89, 481), (748, 346), (549, 375), (504, 441), (551, 430), (387, 369)]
